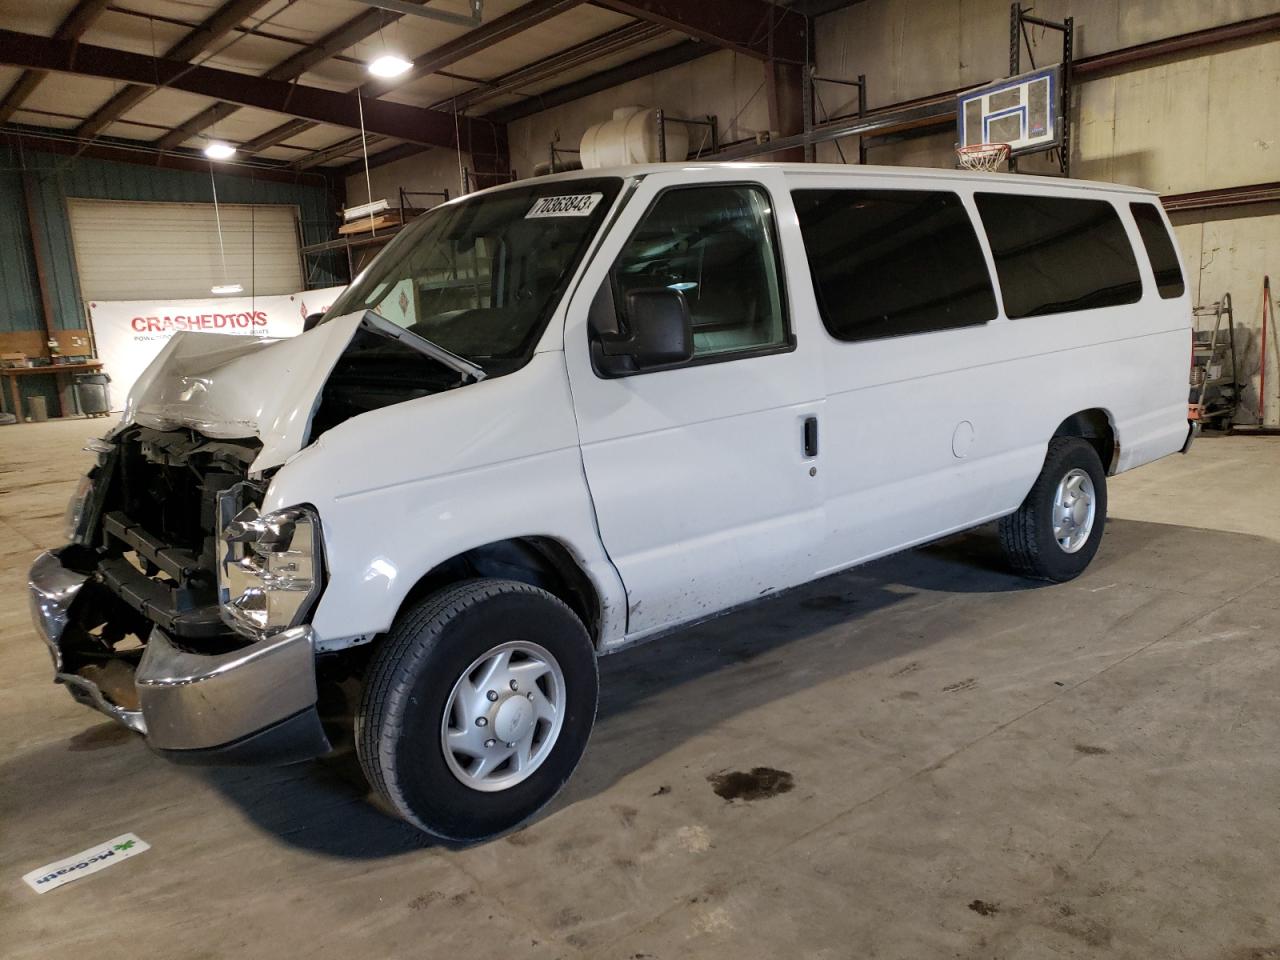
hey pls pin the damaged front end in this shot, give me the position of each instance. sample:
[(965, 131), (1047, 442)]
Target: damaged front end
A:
[(134, 615), (177, 607)]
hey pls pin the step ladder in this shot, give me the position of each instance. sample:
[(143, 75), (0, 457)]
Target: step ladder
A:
[(1215, 387)]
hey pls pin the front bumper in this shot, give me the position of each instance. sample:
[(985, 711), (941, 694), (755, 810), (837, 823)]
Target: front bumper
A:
[(1193, 431), (256, 704)]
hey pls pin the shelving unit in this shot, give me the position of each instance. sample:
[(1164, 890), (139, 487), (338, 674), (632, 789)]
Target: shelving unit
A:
[(358, 246)]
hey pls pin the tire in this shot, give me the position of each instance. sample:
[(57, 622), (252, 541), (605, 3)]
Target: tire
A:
[(416, 675), (1027, 536)]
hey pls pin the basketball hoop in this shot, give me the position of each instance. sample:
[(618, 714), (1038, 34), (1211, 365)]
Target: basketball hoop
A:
[(983, 156)]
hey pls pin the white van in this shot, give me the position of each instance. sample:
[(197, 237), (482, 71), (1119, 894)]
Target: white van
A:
[(563, 415)]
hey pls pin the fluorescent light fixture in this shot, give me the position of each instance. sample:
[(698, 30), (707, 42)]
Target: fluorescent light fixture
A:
[(216, 150), (389, 65), (227, 288)]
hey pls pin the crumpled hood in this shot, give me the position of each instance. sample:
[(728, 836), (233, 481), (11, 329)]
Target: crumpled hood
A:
[(235, 387)]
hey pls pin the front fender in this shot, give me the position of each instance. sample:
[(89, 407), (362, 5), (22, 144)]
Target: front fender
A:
[(402, 489)]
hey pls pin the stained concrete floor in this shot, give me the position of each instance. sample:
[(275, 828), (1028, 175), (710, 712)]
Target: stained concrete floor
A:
[(977, 767)]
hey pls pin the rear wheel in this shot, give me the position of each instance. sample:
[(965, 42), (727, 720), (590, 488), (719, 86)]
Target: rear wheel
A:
[(477, 708), (1056, 531)]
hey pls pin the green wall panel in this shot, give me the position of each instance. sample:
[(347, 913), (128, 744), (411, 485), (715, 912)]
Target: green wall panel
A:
[(19, 290)]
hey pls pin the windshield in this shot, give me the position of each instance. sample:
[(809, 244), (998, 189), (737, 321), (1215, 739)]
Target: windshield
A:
[(480, 277)]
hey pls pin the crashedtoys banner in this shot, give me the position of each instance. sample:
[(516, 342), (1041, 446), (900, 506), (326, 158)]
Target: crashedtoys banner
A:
[(129, 333)]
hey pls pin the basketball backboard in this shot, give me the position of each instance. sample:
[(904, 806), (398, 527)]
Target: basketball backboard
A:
[(1021, 111)]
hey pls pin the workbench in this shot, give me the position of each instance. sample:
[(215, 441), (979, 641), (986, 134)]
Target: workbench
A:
[(61, 372)]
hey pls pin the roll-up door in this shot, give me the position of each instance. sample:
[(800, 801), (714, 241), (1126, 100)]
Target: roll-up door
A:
[(127, 250)]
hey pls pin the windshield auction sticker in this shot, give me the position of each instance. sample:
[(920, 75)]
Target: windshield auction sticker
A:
[(54, 875), (574, 205)]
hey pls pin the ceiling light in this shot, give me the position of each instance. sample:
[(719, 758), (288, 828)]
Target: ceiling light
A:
[(215, 150), (227, 288), (389, 65)]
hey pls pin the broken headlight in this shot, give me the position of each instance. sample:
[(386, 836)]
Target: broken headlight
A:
[(269, 573), (76, 519)]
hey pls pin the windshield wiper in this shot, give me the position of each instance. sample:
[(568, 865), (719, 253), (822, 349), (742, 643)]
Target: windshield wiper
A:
[(424, 346)]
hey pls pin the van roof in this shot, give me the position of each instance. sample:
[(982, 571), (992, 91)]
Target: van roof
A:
[(851, 170)]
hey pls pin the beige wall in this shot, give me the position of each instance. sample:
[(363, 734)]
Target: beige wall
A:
[(1195, 124), (724, 84), (1190, 124), (912, 48), (1229, 251), (429, 170)]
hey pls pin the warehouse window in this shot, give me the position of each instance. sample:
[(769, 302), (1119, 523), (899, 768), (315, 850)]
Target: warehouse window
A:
[(716, 245), (887, 263), (1164, 259), (1056, 254)]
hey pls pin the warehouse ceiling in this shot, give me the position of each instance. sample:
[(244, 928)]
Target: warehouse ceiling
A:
[(278, 79)]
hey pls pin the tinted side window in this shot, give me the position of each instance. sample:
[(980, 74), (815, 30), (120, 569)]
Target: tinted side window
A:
[(886, 263), (1164, 260), (1055, 254), (716, 245)]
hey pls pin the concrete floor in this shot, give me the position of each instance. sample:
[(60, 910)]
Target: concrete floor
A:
[(978, 767)]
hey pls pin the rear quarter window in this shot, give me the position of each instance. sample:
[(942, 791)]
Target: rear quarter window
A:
[(888, 263), (1160, 251), (1058, 254)]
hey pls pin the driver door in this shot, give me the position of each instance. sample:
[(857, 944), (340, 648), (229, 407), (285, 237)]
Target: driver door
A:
[(705, 475)]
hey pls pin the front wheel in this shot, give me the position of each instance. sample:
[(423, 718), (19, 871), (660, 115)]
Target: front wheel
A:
[(477, 708), (1056, 531)]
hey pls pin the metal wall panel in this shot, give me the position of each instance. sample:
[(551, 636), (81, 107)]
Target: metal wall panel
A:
[(143, 250), (19, 292)]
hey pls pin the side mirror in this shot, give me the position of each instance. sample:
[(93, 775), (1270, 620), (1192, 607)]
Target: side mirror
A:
[(311, 320), (659, 332)]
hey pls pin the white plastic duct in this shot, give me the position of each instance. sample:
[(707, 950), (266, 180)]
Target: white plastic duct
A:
[(632, 137)]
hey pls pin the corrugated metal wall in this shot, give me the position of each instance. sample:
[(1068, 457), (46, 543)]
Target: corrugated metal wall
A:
[(19, 291), (60, 177)]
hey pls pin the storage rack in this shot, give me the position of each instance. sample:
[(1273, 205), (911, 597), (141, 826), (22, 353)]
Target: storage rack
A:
[(356, 246)]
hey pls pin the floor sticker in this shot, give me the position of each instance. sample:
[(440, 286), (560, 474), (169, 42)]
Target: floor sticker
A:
[(82, 864)]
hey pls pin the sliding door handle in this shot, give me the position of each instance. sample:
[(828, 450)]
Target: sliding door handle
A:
[(810, 437)]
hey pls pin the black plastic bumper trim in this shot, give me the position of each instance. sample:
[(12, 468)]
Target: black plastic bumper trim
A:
[(292, 740)]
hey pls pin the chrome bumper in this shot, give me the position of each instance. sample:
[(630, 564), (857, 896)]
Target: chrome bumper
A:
[(193, 701), (190, 701)]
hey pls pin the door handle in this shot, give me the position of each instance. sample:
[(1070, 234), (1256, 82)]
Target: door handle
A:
[(810, 437)]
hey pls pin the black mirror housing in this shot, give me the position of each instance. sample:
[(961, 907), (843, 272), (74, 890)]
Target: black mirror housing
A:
[(659, 332)]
